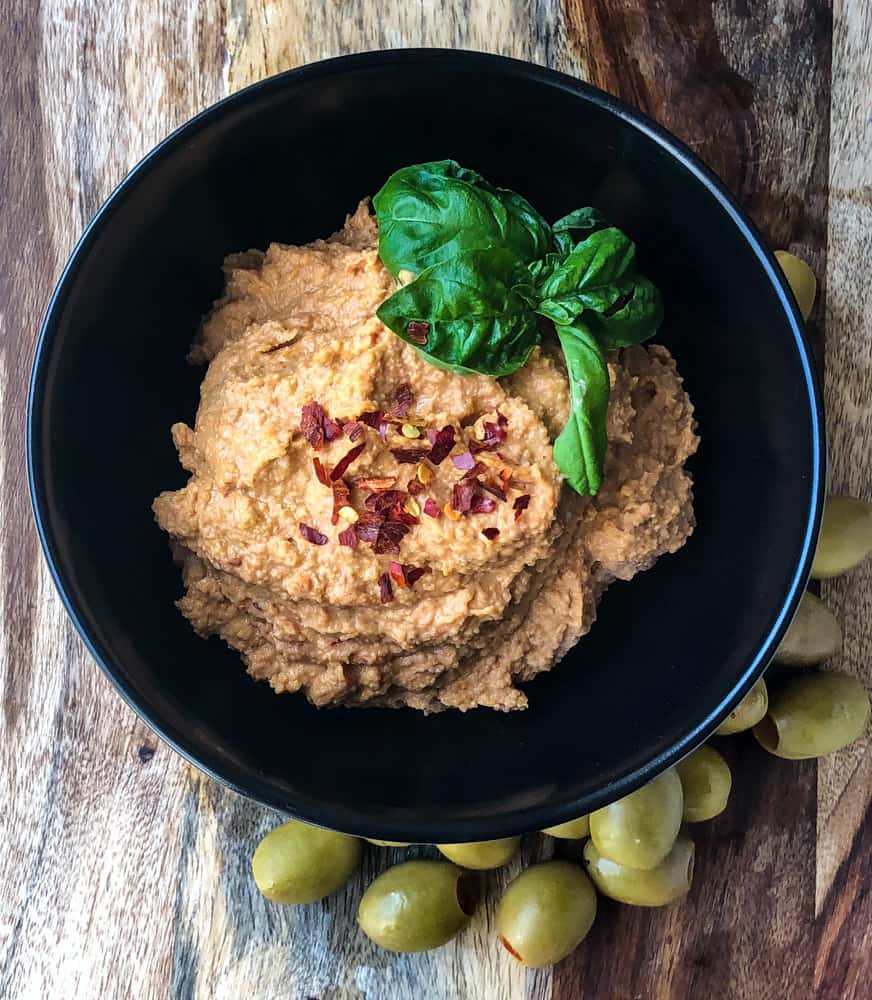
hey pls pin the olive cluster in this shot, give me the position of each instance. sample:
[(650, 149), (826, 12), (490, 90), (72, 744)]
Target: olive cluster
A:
[(635, 850)]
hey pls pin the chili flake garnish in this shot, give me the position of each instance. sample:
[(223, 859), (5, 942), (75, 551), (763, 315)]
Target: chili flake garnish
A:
[(463, 461), (312, 535), (321, 471), (353, 429), (402, 400), (482, 504), (415, 486), (494, 434), (431, 508), (332, 429), (490, 533), (348, 537), (385, 590), (521, 504), (404, 575), (494, 490), (461, 496), (312, 424), (390, 534), (376, 420), (341, 499), (417, 331), (441, 444), (409, 456), (374, 483), (343, 463)]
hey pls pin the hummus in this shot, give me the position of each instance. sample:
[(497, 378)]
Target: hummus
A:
[(441, 594)]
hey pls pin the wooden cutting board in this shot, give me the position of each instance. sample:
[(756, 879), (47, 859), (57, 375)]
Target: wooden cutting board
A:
[(123, 872)]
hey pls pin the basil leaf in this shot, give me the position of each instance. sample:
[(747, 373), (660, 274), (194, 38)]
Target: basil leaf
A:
[(432, 211), (580, 448), (600, 260), (624, 312), (584, 219), (634, 315), (477, 322)]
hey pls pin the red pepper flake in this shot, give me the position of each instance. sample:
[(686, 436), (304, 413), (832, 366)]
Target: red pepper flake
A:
[(414, 487), (348, 536), (376, 420), (414, 573), (520, 505), (343, 463), (372, 484), (409, 456), (312, 424), (353, 429), (490, 533), (385, 501), (494, 490), (494, 434), (417, 331), (341, 498), (312, 535), (385, 590), (463, 461), (398, 574), (402, 400), (476, 470), (442, 442), (431, 508), (505, 475), (332, 430), (372, 418), (322, 471), (368, 526), (462, 496), (390, 534), (482, 504)]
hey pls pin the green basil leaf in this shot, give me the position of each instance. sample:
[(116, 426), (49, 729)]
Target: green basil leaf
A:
[(580, 448), (634, 314), (624, 312), (601, 259), (584, 219), (432, 211), (477, 322)]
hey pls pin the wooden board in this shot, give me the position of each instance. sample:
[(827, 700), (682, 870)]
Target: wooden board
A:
[(123, 872)]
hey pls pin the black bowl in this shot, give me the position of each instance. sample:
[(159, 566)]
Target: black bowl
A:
[(284, 160)]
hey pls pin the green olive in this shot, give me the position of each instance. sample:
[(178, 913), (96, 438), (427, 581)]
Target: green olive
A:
[(298, 863), (486, 854), (748, 712), (813, 715), (575, 829), (801, 279), (388, 843), (640, 829), (546, 913), (706, 782), (417, 905), (666, 883), (845, 539), (814, 634)]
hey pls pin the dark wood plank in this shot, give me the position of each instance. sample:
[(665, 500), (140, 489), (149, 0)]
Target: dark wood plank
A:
[(746, 86)]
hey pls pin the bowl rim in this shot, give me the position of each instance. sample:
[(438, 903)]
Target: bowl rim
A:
[(356, 821)]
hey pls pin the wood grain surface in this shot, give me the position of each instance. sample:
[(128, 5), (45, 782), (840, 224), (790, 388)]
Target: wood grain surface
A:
[(123, 872)]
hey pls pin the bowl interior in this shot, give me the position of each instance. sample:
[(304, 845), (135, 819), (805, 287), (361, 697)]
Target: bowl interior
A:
[(284, 162)]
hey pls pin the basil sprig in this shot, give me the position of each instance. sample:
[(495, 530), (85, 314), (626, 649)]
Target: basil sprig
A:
[(486, 266)]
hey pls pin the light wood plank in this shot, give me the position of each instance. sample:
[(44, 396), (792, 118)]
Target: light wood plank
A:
[(92, 824)]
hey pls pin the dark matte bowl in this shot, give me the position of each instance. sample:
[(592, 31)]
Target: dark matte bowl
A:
[(284, 160)]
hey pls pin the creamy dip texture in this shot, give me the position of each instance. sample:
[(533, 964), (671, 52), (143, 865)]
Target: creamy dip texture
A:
[(369, 529)]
